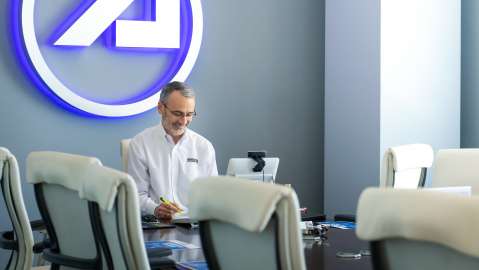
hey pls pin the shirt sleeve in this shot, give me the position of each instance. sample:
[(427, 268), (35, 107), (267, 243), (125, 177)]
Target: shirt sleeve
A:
[(213, 170), (138, 169)]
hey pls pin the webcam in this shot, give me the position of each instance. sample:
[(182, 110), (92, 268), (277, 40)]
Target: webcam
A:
[(258, 157)]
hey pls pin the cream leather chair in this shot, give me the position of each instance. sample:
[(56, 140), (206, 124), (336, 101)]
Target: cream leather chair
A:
[(124, 145), (20, 239), (246, 224), (457, 167), (91, 213), (426, 229), (405, 166)]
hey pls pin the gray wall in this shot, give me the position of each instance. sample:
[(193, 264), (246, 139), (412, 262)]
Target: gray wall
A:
[(420, 73), (392, 76), (259, 78), (469, 72), (351, 137)]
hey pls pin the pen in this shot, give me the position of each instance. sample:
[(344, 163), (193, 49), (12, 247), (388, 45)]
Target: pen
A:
[(167, 202)]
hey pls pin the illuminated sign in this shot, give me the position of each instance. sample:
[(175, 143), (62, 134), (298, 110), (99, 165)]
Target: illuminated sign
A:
[(170, 30)]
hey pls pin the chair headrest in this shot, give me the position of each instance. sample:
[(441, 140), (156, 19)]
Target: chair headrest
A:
[(83, 174), (4, 154), (246, 203), (412, 156), (447, 219)]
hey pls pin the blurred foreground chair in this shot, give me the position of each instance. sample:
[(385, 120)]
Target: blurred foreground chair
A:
[(91, 214), (457, 167), (419, 229), (405, 166), (246, 224), (124, 146), (20, 239)]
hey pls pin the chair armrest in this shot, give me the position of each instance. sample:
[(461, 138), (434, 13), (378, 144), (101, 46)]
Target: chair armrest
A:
[(69, 261), (158, 252), (40, 246), (161, 263), (37, 225), (7, 241)]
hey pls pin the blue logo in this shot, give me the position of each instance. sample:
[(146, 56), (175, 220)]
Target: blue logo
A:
[(107, 57)]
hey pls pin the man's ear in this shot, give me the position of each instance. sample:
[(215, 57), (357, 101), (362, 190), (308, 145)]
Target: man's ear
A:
[(160, 108)]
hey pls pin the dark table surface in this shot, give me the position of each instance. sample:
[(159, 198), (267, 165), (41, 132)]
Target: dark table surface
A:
[(318, 254)]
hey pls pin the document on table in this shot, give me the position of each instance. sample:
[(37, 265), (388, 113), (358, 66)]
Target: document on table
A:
[(184, 220), (170, 244), (344, 225), (193, 265)]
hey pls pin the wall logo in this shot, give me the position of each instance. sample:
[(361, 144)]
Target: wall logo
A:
[(52, 47)]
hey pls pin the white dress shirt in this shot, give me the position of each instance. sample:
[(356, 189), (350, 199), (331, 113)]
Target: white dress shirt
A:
[(162, 168)]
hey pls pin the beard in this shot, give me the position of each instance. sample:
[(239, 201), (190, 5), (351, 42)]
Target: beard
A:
[(178, 127), (174, 128)]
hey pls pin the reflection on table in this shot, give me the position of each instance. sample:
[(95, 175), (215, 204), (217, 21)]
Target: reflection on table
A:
[(318, 254)]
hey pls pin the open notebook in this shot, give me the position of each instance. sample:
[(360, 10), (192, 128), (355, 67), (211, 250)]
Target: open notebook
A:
[(183, 219)]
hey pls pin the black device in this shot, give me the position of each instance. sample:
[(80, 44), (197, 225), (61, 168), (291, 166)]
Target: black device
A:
[(341, 217), (258, 157), (317, 218)]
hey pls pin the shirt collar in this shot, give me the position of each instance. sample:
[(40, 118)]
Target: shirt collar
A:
[(168, 137)]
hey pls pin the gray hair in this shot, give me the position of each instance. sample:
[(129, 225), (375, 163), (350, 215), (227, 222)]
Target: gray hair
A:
[(184, 89)]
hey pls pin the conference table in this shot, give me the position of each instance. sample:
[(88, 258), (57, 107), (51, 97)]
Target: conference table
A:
[(318, 254)]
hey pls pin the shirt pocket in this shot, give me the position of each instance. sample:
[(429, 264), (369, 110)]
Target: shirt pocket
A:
[(191, 170)]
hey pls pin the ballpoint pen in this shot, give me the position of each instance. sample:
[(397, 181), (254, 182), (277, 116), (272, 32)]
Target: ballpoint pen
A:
[(167, 202)]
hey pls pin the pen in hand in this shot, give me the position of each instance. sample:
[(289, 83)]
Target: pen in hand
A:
[(167, 202)]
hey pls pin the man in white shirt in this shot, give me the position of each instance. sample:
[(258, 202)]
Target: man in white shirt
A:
[(164, 159)]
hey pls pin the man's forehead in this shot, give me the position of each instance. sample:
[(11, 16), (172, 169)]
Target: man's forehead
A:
[(176, 100)]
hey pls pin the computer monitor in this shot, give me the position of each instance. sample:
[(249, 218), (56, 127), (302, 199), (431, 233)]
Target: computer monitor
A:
[(243, 167)]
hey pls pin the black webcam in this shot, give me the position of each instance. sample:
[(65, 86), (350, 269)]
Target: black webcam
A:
[(258, 157)]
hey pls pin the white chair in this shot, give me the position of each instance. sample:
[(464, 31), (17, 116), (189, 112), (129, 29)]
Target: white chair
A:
[(426, 229), (457, 167), (20, 240), (405, 166), (247, 225), (91, 213), (124, 146)]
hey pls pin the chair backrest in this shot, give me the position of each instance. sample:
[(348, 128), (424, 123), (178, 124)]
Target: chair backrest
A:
[(247, 225), (405, 166), (426, 230), (457, 167), (91, 212), (22, 246), (124, 146)]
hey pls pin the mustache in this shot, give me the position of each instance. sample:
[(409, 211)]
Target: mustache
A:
[(178, 126)]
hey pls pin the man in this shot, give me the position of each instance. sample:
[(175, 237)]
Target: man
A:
[(164, 159)]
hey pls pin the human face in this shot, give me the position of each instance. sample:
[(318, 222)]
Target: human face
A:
[(176, 114)]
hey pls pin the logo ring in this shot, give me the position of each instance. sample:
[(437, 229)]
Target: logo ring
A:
[(95, 108)]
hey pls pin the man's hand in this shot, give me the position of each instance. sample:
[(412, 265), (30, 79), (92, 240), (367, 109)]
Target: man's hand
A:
[(166, 211)]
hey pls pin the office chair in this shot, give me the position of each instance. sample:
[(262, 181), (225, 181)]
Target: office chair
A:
[(457, 167), (20, 240), (124, 145), (405, 166), (91, 214), (426, 229), (247, 225)]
